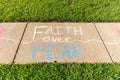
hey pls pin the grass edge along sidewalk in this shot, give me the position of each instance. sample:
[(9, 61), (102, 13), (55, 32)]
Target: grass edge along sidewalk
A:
[(60, 10), (65, 71)]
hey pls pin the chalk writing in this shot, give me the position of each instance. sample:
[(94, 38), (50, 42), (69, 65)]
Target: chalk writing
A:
[(66, 51), (57, 30), (56, 39), (49, 50), (36, 50), (80, 41), (75, 50), (1, 31), (118, 31), (53, 34)]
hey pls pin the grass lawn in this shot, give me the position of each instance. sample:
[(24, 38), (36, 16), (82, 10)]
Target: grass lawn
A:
[(57, 71), (60, 10)]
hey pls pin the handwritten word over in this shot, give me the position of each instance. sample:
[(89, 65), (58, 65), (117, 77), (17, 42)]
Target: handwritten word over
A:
[(55, 39), (71, 52)]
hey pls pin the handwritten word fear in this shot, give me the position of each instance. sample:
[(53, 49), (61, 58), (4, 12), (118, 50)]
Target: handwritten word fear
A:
[(1, 31), (57, 30), (74, 51)]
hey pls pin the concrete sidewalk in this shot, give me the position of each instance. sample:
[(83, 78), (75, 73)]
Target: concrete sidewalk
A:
[(22, 43)]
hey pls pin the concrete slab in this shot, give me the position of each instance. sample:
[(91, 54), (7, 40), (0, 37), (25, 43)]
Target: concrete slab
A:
[(110, 32), (61, 42), (10, 35)]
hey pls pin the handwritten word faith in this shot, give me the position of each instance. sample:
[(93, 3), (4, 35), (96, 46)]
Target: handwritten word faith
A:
[(75, 50), (57, 30), (1, 31)]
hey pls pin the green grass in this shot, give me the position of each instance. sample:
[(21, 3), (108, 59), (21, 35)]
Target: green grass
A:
[(65, 71), (60, 10)]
